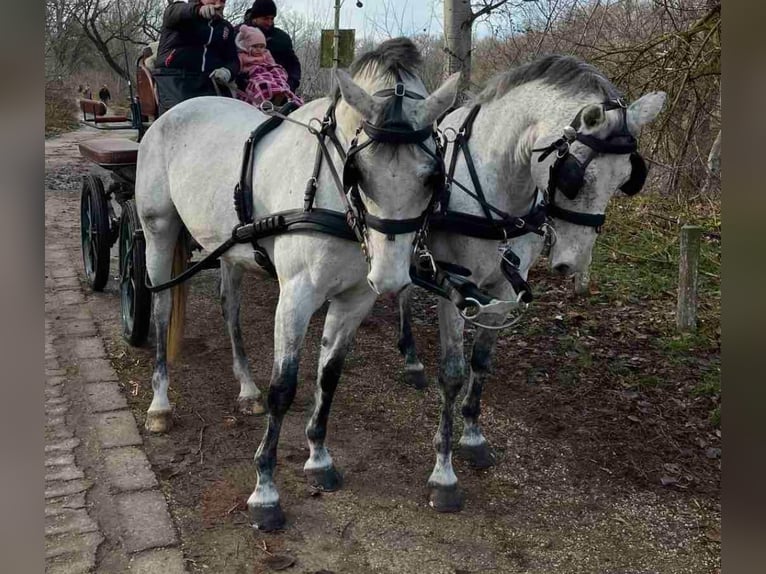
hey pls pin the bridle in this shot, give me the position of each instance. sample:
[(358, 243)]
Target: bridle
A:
[(567, 174), (393, 129)]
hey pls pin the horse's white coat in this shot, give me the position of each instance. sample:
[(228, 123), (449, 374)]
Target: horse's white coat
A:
[(188, 164), (264, 495), (319, 458), (508, 128), (442, 474), (472, 435)]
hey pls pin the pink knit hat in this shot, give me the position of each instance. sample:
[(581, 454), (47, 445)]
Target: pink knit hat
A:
[(248, 37)]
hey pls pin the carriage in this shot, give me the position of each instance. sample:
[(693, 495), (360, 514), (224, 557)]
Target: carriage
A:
[(100, 224)]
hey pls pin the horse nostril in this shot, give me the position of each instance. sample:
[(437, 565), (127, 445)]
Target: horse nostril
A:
[(562, 269), (372, 286)]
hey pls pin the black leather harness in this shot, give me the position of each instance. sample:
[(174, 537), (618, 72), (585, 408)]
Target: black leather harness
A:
[(352, 224), (495, 224)]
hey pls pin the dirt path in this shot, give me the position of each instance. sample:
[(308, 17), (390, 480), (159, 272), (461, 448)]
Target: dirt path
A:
[(579, 483)]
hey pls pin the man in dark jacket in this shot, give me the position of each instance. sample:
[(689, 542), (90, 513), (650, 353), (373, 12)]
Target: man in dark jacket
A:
[(196, 48), (104, 95), (278, 42)]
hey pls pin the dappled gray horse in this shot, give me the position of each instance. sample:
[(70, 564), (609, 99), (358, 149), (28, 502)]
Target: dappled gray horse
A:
[(555, 129), (188, 164)]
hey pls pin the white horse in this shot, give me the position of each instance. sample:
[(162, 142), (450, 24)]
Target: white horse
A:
[(555, 107), (188, 165)]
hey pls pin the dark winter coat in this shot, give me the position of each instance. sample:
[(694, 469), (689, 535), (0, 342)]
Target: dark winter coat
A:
[(280, 45), (192, 43)]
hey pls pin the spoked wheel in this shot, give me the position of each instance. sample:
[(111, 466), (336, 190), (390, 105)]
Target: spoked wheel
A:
[(135, 298), (95, 232)]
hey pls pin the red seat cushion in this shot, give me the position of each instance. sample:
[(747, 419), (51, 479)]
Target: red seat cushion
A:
[(106, 151), (93, 107)]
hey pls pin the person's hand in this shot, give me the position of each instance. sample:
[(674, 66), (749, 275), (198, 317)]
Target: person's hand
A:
[(221, 75), (209, 12)]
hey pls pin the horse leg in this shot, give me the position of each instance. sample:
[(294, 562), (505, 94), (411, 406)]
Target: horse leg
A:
[(294, 310), (345, 314), (414, 373), (161, 236), (249, 398), (473, 446), (445, 493)]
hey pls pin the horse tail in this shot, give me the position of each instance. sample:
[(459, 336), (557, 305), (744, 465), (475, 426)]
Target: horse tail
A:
[(179, 294)]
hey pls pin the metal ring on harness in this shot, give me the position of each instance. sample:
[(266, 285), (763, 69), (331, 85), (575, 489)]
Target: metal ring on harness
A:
[(475, 311), (446, 132), (313, 130), (267, 106)]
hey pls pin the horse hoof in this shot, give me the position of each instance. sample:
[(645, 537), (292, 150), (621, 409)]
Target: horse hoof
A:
[(416, 379), (251, 406), (446, 498), (477, 456), (267, 518), (159, 421), (326, 479)]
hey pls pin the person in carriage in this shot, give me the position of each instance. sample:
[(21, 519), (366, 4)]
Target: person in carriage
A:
[(196, 48), (261, 78), (261, 15)]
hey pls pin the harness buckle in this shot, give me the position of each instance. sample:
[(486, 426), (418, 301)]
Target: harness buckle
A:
[(621, 102), (450, 134), (562, 150), (399, 90)]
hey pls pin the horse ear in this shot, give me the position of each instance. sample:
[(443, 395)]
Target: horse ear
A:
[(441, 100), (593, 115), (645, 109), (355, 96)]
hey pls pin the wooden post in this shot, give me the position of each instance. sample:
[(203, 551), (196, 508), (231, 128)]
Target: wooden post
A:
[(688, 261), (582, 283)]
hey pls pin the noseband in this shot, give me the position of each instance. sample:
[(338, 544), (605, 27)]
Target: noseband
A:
[(567, 174)]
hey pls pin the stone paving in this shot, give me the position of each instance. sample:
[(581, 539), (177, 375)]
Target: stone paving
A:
[(104, 510)]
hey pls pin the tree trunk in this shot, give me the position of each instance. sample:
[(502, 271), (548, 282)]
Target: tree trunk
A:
[(458, 20)]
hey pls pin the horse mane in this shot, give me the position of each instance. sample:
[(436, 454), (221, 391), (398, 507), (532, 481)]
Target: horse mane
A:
[(392, 56), (568, 73)]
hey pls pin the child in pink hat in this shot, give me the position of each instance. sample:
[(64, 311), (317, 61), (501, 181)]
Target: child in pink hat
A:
[(264, 79)]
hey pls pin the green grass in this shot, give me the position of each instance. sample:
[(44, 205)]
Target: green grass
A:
[(710, 386), (637, 254), (715, 417)]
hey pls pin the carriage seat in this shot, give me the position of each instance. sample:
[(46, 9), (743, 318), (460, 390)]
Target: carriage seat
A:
[(110, 152), (97, 111)]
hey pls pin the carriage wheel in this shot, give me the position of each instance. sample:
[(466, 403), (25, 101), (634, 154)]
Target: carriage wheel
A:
[(135, 298), (95, 233)]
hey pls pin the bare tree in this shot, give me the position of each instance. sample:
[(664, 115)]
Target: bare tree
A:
[(112, 26), (459, 18)]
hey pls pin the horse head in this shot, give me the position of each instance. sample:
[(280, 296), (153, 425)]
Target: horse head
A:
[(393, 168), (583, 166)]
